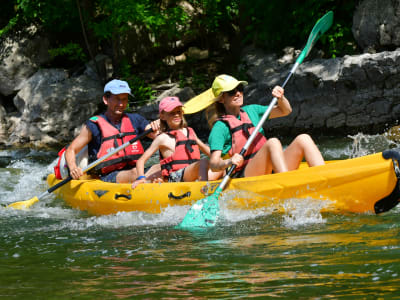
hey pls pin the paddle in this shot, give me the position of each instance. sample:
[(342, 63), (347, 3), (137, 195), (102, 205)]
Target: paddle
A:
[(199, 102), (30, 202), (204, 213)]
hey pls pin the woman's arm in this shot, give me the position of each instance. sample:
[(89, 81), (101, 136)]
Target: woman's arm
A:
[(283, 107), (219, 164)]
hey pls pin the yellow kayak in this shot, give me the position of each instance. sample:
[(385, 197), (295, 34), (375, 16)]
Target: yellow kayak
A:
[(358, 185)]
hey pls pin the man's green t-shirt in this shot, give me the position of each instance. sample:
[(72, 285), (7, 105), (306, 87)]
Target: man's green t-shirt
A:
[(220, 137)]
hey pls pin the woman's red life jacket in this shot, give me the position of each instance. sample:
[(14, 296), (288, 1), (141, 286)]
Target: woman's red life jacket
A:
[(241, 131), (112, 138), (186, 152)]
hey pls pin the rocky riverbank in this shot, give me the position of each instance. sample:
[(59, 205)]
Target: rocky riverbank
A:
[(42, 106)]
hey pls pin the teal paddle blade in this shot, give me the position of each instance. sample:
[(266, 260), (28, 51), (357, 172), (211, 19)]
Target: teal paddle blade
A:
[(204, 213), (319, 29)]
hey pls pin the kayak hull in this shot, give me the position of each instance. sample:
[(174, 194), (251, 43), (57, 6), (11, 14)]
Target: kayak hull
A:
[(353, 185)]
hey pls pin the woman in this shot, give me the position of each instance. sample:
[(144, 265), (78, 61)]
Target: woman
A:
[(232, 125)]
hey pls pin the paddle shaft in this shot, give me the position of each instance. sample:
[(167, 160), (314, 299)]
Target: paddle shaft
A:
[(319, 28), (97, 162), (204, 212)]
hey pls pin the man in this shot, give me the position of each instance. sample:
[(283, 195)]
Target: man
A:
[(105, 132)]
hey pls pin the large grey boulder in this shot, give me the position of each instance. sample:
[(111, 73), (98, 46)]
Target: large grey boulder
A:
[(376, 25), (52, 107), (21, 55)]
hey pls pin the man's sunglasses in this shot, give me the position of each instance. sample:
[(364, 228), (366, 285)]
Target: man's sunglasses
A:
[(233, 92)]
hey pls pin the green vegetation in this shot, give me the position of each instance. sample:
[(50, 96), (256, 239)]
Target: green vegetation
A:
[(77, 28), (274, 24), (141, 91), (72, 50)]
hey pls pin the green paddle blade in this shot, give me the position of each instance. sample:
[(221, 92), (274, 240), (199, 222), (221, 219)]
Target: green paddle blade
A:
[(319, 29), (204, 213)]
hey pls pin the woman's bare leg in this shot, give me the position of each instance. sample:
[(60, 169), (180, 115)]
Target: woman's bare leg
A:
[(214, 175), (269, 157), (303, 146)]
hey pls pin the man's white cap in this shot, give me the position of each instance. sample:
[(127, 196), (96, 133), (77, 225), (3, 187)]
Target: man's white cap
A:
[(117, 87)]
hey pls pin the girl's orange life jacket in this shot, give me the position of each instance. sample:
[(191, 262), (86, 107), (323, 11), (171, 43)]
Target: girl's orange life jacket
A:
[(186, 152), (241, 131)]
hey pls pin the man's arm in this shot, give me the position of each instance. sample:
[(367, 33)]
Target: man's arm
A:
[(84, 137)]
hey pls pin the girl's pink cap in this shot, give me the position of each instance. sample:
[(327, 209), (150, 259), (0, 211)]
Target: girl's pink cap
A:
[(169, 104)]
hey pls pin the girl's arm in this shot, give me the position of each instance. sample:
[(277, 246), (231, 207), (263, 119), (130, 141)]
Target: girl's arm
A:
[(144, 158), (283, 107)]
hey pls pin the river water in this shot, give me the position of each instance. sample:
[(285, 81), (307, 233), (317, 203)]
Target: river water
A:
[(54, 252)]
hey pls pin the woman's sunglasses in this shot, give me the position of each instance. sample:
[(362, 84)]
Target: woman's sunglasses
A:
[(233, 92)]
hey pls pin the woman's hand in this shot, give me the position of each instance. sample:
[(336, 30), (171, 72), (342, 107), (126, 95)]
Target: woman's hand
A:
[(278, 92), (237, 160), (283, 107)]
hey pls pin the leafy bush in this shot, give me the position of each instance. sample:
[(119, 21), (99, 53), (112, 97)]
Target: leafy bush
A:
[(142, 92), (272, 24), (275, 24), (73, 51)]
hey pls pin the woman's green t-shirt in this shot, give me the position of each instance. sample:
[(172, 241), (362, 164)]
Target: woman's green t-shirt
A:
[(220, 136)]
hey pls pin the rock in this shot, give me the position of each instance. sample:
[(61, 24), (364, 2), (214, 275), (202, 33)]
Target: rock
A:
[(349, 94), (151, 110), (3, 124), (21, 56), (52, 106), (197, 53), (376, 25), (104, 67)]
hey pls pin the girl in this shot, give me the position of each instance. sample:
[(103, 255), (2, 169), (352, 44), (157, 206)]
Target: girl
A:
[(179, 148), (232, 125)]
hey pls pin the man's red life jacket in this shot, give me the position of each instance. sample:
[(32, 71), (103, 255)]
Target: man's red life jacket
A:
[(241, 131), (186, 152), (112, 138)]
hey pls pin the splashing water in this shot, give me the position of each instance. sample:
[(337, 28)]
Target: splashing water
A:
[(367, 144), (23, 172), (300, 212)]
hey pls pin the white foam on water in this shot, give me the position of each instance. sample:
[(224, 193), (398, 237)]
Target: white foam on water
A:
[(364, 144), (22, 180), (357, 145), (234, 215), (300, 212), (71, 219)]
